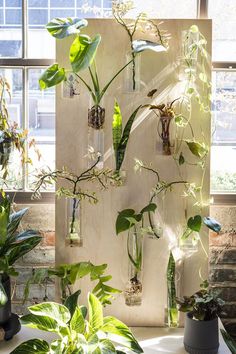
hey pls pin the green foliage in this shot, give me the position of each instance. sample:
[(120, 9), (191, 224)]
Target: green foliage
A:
[(76, 335), (64, 27), (120, 140), (204, 305), (69, 274), (13, 245), (195, 223), (83, 51), (52, 76), (127, 218), (171, 293), (198, 149), (230, 342)]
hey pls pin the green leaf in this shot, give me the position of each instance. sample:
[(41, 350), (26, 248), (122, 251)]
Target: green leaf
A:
[(43, 323), (149, 208), (212, 224), (3, 295), (53, 310), (71, 302), (122, 224), (120, 333), (171, 290), (116, 126), (106, 347), (124, 139), (38, 346), (194, 29), (140, 45), (83, 51), (230, 342), (64, 27), (195, 223), (95, 312), (180, 121), (203, 77), (198, 149), (15, 220), (52, 76), (4, 218), (77, 322)]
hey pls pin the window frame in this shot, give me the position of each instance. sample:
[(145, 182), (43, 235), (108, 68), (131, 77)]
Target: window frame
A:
[(26, 63)]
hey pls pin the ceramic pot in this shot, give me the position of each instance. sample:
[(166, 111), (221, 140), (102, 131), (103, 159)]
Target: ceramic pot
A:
[(5, 311), (201, 337)]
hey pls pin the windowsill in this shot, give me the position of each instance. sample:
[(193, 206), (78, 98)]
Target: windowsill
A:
[(25, 197)]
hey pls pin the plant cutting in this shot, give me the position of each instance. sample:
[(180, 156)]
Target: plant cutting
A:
[(141, 24), (74, 192), (129, 220), (13, 245), (69, 274), (11, 137), (76, 334), (201, 333), (120, 136), (172, 310), (82, 56)]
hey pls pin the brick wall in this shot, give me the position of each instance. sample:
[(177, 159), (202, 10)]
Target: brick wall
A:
[(222, 262), (39, 217)]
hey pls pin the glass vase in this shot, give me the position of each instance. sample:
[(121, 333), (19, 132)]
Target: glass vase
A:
[(166, 132), (134, 287), (188, 243), (96, 120), (173, 286), (132, 81), (74, 237), (70, 86), (119, 175), (157, 219), (6, 153)]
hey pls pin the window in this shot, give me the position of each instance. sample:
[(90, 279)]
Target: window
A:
[(25, 50)]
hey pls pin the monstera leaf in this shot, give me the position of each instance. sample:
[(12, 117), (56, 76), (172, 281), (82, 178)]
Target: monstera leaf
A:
[(52, 76), (64, 27), (140, 45), (83, 51)]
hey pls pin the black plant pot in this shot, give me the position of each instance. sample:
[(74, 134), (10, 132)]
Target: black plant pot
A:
[(5, 311), (201, 337)]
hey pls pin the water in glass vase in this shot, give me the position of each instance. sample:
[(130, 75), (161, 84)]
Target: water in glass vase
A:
[(134, 287), (73, 237)]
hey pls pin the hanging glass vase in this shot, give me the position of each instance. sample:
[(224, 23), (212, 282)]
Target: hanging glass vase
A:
[(188, 241), (188, 67), (119, 175), (132, 81), (6, 151), (96, 120), (73, 237), (166, 133), (157, 218), (70, 86), (173, 285), (134, 287)]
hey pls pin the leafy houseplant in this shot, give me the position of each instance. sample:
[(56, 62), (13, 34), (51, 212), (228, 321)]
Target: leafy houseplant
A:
[(74, 191), (13, 245), (11, 137), (69, 274), (129, 220), (120, 138), (76, 334), (201, 333)]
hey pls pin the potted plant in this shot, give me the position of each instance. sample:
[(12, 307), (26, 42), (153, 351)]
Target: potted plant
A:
[(129, 220), (76, 334), (201, 332), (121, 136), (13, 245), (11, 137)]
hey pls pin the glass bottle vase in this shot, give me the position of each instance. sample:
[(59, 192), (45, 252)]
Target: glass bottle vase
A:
[(166, 132), (157, 218), (96, 120), (134, 287), (74, 237), (132, 81)]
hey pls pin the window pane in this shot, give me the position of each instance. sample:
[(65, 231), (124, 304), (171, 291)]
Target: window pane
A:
[(224, 26), (62, 3), (38, 3), (41, 124), (165, 9), (10, 30), (223, 154), (14, 77)]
